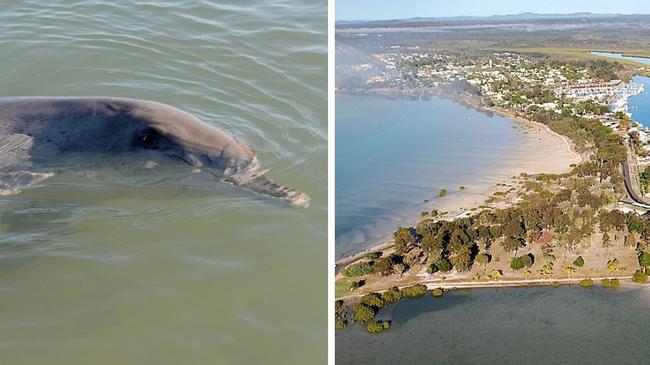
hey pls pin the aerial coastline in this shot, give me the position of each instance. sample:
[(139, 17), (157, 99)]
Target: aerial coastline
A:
[(544, 151), (577, 127), (558, 156), (530, 189)]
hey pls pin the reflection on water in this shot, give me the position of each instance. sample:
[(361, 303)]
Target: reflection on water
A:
[(162, 266)]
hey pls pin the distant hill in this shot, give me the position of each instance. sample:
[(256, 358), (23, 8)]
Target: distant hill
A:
[(469, 20)]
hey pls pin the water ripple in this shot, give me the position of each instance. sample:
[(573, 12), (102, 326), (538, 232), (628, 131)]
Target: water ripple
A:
[(105, 259)]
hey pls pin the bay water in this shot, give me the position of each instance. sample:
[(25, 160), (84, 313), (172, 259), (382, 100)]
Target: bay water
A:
[(639, 105), (164, 266), (538, 325), (643, 60)]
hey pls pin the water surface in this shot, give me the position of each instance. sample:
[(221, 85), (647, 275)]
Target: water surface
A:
[(392, 154), (643, 60), (541, 325), (639, 105), (164, 267)]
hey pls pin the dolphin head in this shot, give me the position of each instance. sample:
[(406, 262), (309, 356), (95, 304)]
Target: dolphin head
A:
[(178, 134)]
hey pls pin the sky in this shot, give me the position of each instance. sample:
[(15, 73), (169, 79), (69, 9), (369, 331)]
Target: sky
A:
[(401, 9)]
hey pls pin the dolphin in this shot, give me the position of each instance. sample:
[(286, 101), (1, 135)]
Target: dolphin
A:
[(46, 133)]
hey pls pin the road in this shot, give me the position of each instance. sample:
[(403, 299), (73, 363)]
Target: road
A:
[(631, 178)]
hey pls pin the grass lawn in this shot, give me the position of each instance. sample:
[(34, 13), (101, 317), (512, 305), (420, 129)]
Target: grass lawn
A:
[(342, 287)]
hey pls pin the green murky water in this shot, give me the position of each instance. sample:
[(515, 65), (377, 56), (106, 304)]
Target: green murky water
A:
[(163, 266)]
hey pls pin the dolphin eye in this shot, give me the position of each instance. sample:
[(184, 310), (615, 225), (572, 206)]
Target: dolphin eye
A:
[(148, 138)]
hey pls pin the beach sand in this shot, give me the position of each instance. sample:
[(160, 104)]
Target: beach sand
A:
[(543, 151)]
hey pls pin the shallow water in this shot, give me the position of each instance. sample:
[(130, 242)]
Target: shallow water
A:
[(540, 325), (643, 60), (163, 266), (392, 154)]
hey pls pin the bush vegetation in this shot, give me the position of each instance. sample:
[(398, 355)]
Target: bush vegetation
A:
[(579, 261), (414, 291), (363, 313), (611, 283), (586, 283), (358, 269), (378, 327), (640, 277), (372, 256)]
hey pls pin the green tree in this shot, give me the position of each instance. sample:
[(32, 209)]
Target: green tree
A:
[(372, 300), (514, 228), (414, 291), (377, 327), (432, 269), (607, 242), (372, 255), (482, 259), (443, 265), (579, 261), (383, 266), (586, 283), (496, 231), (458, 240), (402, 239), (527, 260), (644, 259), (612, 264), (512, 244), (462, 259), (391, 296), (640, 277), (363, 313), (517, 264)]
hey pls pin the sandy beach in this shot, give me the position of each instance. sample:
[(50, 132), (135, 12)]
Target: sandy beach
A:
[(543, 151)]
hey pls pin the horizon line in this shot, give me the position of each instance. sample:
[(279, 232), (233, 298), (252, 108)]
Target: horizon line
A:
[(486, 16)]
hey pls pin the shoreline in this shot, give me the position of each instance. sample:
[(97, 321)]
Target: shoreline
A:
[(458, 203), (626, 281)]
